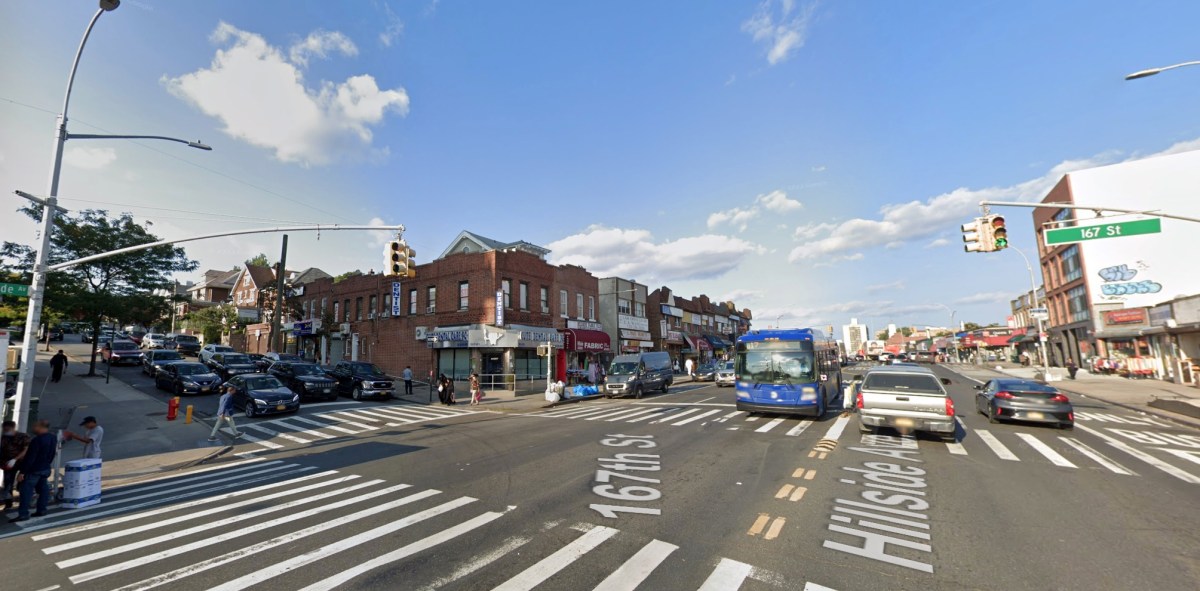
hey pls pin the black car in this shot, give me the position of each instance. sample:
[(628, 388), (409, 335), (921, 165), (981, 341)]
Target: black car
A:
[(154, 360), (228, 365), (361, 379), (306, 379), (186, 344), (57, 334), (261, 394), (187, 377), (261, 363)]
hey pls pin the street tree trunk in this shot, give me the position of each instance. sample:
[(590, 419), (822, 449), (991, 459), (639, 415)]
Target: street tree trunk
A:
[(95, 347)]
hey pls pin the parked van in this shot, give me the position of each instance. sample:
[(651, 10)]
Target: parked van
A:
[(638, 373)]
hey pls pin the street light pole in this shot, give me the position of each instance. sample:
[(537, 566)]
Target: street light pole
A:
[(1041, 338), (1153, 71)]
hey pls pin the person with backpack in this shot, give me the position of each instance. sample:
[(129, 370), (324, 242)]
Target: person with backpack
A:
[(225, 413)]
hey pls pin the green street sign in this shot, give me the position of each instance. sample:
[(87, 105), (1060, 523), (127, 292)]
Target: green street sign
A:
[(12, 289), (1113, 230)]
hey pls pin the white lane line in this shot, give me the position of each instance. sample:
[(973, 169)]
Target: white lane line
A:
[(722, 404), (211, 563), (636, 414), (262, 575), (705, 400), (657, 413), (177, 479), (503, 550), (638, 567), (326, 426), (342, 420), (995, 445), (727, 416), (443, 536), (302, 430), (835, 430), (175, 535), (274, 433), (589, 412), (1046, 450), (799, 428), (955, 447), (548, 566), (751, 419), (1143, 456), (1191, 456), (252, 439), (697, 417), (810, 586), (1096, 456), (676, 416), (415, 415), (50, 588), (767, 427), (728, 575), (582, 408)]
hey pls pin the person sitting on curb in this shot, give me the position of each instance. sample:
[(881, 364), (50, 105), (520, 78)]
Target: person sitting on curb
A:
[(225, 413)]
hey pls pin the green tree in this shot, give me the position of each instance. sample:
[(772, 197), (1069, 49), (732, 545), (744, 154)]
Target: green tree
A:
[(117, 287), (214, 321), (347, 275), (260, 260), (971, 326)]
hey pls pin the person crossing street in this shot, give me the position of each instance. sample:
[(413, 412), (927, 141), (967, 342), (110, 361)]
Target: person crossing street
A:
[(225, 413)]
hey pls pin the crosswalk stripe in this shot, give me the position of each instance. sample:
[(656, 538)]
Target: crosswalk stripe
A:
[(420, 545), (636, 414), (676, 416), (409, 416), (562, 412), (274, 433), (1055, 457), (212, 563), (261, 575), (995, 445), (1096, 456), (664, 411), (326, 426), (729, 574), (588, 412), (605, 415), (956, 448), (835, 430), (1143, 456), (767, 427), (477, 563), (267, 444), (548, 566), (169, 537), (697, 417), (303, 430), (362, 416), (334, 416), (377, 415), (726, 417), (799, 428), (190, 477), (635, 570)]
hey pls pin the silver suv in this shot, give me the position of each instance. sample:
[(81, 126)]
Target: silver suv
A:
[(905, 398)]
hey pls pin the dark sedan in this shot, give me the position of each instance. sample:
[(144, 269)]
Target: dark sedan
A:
[(187, 377), (228, 365), (1024, 400), (306, 379), (706, 373), (154, 360), (262, 394)]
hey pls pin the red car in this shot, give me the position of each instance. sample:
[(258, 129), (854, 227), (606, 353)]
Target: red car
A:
[(119, 352)]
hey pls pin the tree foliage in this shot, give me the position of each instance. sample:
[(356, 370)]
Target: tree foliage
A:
[(260, 260), (120, 287), (347, 275)]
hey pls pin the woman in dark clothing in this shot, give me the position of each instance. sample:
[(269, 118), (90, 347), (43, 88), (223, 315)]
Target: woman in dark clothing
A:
[(58, 363), (450, 392), (441, 388)]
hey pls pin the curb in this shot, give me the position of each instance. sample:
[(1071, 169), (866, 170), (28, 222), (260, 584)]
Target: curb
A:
[(573, 400), (212, 456)]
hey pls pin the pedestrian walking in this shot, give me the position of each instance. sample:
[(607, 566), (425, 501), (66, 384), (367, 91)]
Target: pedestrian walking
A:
[(13, 444), (91, 439), (476, 391), (1072, 368), (450, 392), (225, 413), (407, 376), (593, 373), (676, 366), (442, 391), (688, 365), (35, 472), (58, 364)]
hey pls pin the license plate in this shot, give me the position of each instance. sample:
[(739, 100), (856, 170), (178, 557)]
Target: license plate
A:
[(205, 389), (1035, 416), (901, 422), (325, 391), (281, 407)]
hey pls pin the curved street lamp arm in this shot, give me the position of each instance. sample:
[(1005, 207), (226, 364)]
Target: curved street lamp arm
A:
[(1153, 71), (75, 62), (95, 136)]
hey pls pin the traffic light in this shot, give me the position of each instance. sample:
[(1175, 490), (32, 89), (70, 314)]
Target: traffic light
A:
[(999, 233), (396, 258), (410, 262), (978, 236)]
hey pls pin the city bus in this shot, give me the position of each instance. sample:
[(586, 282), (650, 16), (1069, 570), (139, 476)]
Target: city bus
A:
[(787, 371)]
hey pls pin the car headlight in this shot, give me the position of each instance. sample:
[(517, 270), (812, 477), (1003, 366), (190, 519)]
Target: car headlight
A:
[(260, 401), (808, 393), (296, 398)]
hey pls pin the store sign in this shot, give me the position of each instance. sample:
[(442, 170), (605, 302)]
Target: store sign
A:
[(1160, 315), (672, 311), (449, 339), (1125, 316), (674, 336), (632, 323), (584, 325), (395, 298), (530, 338), (492, 338), (499, 307), (637, 335)]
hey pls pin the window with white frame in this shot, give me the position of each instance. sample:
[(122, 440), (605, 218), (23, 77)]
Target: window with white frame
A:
[(639, 309), (523, 295), (412, 302), (464, 292), (431, 299), (545, 300), (592, 308), (623, 306), (562, 304), (579, 306), (506, 287)]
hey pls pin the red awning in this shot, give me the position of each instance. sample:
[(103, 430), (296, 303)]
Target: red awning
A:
[(588, 341), (698, 343)]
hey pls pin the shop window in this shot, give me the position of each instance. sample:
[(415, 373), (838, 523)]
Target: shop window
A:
[(527, 365)]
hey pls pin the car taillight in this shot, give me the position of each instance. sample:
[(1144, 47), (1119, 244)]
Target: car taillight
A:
[(1004, 395), (1060, 398), (858, 400), (949, 407)]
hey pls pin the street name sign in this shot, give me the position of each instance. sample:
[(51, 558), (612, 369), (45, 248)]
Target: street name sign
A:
[(13, 289), (1113, 230)]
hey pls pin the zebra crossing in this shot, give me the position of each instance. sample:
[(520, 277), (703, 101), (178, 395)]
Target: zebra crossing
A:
[(280, 525), (339, 423), (682, 414)]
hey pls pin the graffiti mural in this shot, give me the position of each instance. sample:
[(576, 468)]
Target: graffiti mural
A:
[(1118, 282), (1118, 273), (1120, 289)]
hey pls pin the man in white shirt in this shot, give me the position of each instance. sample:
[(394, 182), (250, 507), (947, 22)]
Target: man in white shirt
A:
[(91, 439), (687, 365), (407, 376)]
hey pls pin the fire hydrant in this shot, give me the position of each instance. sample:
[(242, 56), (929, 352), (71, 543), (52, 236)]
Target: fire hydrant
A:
[(172, 408)]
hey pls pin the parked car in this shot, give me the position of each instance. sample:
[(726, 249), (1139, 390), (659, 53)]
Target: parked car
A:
[(57, 334), (136, 336), (260, 394), (121, 352), (274, 357), (206, 353), (16, 333), (360, 379), (1014, 399), (639, 373), (154, 340), (306, 379), (906, 398), (154, 360), (187, 377), (86, 335), (261, 363), (725, 375), (228, 365), (706, 373), (186, 344)]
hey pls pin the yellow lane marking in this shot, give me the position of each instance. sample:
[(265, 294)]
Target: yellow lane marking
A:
[(798, 494), (776, 527), (785, 491), (759, 524)]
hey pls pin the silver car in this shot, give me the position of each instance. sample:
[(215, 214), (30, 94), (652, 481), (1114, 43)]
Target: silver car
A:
[(1024, 400), (905, 398), (725, 375)]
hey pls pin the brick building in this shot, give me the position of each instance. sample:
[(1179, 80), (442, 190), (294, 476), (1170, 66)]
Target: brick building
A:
[(694, 328)]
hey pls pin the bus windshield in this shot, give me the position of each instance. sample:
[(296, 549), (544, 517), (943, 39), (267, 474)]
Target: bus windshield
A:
[(776, 366)]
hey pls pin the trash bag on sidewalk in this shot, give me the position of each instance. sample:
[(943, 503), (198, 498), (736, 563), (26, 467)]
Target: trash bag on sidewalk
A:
[(552, 396)]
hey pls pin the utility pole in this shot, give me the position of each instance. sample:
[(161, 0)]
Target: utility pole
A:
[(276, 342)]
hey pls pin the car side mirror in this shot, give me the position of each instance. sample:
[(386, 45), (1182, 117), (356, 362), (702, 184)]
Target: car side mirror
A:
[(945, 381), (979, 387)]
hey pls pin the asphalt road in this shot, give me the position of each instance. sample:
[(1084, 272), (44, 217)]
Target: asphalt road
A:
[(414, 497)]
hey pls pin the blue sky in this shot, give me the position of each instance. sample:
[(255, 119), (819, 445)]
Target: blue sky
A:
[(813, 159)]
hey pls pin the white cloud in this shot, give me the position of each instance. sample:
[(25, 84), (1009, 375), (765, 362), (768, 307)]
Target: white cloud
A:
[(821, 168), (835, 313), (394, 26), (895, 285), (379, 239), (780, 32), (776, 201), (634, 254), (938, 243), (810, 231), (990, 297), (320, 44), (89, 158), (262, 98), (741, 296)]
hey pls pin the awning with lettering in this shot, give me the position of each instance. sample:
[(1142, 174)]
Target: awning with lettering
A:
[(588, 341)]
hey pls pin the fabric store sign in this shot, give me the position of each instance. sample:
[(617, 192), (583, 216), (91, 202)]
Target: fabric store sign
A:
[(1125, 317)]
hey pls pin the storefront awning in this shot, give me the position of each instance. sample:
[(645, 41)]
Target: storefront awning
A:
[(717, 342), (1020, 338), (588, 341), (698, 343)]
